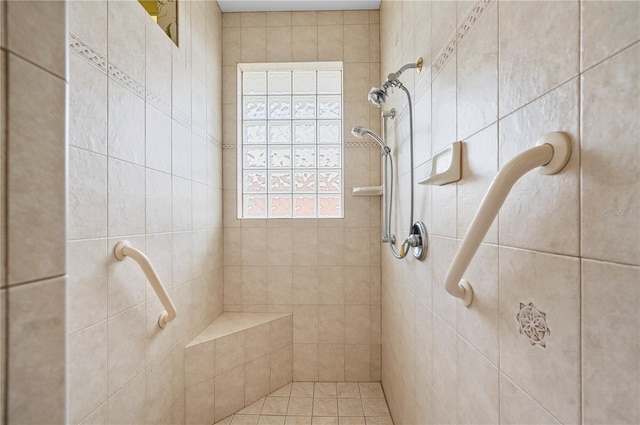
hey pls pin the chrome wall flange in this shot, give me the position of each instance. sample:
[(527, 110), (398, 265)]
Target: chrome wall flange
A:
[(420, 249)]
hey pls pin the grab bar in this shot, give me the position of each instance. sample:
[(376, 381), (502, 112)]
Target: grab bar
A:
[(551, 155), (124, 249)]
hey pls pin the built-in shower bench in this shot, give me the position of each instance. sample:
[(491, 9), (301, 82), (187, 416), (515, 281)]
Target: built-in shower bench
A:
[(238, 359)]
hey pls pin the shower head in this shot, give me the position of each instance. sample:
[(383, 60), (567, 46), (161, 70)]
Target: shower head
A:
[(378, 94), (360, 132)]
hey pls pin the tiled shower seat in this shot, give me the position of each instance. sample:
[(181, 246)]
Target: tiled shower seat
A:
[(238, 359)]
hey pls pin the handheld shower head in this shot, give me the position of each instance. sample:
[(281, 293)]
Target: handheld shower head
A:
[(378, 95), (360, 132)]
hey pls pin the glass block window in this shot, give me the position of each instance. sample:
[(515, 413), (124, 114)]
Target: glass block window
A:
[(290, 140)]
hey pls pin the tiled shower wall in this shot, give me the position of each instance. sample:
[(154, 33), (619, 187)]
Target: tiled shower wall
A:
[(144, 165), (32, 200), (503, 74), (327, 272)]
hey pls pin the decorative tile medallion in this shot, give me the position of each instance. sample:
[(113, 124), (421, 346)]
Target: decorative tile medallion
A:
[(533, 324)]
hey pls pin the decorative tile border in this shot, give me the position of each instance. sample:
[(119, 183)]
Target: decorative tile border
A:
[(82, 49), (456, 39), (159, 103), (126, 80), (361, 145), (199, 130), (533, 324)]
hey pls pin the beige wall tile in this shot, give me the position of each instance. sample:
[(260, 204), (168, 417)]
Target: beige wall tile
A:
[(157, 69), (305, 285), (200, 403), (610, 229), (36, 352), (281, 367), (357, 363), (257, 379), (86, 298), (305, 362), (331, 362), (86, 20), (158, 388), (254, 285), (479, 325), (229, 352), (278, 19), (445, 367), (127, 406), (158, 202), (546, 221), (533, 57), (36, 177), (478, 387), (305, 324), (304, 43), (87, 194), (97, 417), (126, 197), (331, 324), (229, 395), (479, 167), (257, 342), (181, 204), (182, 249), (309, 18), (199, 363), (606, 28), (552, 284), (610, 331), (356, 45), (254, 247), (231, 46), (279, 285), (517, 407), (330, 42), (87, 101), (126, 31), (477, 81), (157, 139), (34, 31), (279, 44), (125, 344), (279, 246), (253, 44), (253, 19)]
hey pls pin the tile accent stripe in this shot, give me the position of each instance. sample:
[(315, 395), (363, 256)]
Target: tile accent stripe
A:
[(347, 145), (456, 39), (82, 49), (91, 55)]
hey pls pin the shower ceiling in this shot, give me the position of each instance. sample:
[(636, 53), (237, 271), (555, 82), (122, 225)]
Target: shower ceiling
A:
[(278, 5)]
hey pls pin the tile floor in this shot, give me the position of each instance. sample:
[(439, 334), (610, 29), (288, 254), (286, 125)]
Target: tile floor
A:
[(319, 403)]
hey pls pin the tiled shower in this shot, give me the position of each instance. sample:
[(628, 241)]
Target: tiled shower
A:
[(147, 148)]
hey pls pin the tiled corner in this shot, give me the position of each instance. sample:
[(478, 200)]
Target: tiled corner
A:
[(36, 178), (35, 31), (36, 352)]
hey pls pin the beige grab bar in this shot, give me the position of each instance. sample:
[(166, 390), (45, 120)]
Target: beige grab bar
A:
[(551, 155), (124, 249)]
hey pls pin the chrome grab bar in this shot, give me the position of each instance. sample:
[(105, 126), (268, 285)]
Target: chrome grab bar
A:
[(124, 249), (551, 155)]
